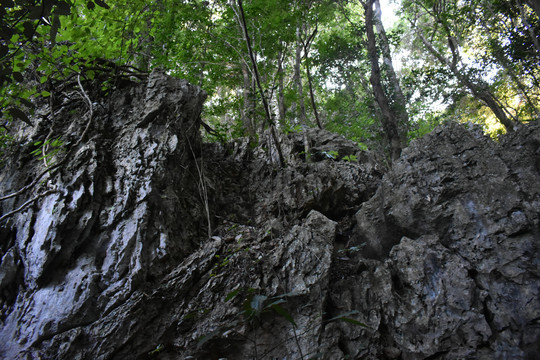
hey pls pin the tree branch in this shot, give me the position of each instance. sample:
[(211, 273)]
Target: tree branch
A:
[(26, 204), (66, 157)]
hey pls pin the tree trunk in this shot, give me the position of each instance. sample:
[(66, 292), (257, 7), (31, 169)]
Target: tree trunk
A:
[(300, 94), (307, 45), (312, 97), (282, 108), (478, 89), (259, 86), (248, 110), (389, 119), (298, 79), (399, 103)]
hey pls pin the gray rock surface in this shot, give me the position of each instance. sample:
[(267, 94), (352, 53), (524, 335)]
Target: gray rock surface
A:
[(153, 245), (116, 220), (454, 228)]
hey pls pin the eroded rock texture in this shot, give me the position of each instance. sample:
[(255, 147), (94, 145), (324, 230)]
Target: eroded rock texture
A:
[(154, 245)]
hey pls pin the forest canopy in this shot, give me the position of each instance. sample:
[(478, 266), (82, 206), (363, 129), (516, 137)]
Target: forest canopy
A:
[(285, 65)]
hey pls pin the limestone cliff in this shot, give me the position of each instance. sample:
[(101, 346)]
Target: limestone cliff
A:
[(149, 244)]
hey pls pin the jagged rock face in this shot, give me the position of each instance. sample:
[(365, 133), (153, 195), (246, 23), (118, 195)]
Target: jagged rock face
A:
[(116, 220), (454, 229), (156, 246)]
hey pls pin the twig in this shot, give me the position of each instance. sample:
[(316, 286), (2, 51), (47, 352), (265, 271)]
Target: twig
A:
[(65, 159), (297, 342), (203, 190), (91, 110), (28, 203)]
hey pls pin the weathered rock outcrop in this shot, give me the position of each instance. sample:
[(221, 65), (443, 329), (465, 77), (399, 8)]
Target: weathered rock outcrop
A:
[(153, 245), (455, 229), (116, 218)]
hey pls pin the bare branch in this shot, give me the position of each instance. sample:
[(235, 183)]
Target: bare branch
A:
[(27, 204), (66, 157)]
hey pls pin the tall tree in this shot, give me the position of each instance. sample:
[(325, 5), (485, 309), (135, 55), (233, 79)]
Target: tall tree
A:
[(346, 103), (306, 33), (391, 115), (474, 51), (282, 106), (298, 84), (269, 118), (398, 101)]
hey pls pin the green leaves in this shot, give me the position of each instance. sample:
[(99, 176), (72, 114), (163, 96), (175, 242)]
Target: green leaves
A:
[(22, 27), (483, 43), (102, 4), (331, 154), (350, 158), (281, 311), (233, 294), (90, 5), (49, 148), (255, 305), (19, 114), (347, 318)]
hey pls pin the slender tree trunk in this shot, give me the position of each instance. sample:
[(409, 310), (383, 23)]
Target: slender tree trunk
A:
[(398, 99), (298, 79), (257, 79), (312, 96), (307, 44), (364, 82), (282, 108), (248, 111), (300, 93), (389, 119)]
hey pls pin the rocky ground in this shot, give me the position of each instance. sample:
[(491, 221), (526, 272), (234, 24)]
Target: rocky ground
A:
[(150, 244)]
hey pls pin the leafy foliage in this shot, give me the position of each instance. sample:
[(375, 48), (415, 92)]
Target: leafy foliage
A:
[(492, 62), (31, 53), (256, 305), (46, 43), (47, 149)]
